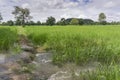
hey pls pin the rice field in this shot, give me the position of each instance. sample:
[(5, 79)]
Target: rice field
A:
[(8, 38), (78, 44), (74, 44)]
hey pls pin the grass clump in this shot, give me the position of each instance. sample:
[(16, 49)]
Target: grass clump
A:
[(102, 73), (38, 39), (8, 38)]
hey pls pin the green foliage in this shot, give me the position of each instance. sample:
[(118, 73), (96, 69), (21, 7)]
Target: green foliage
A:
[(30, 23), (79, 44), (62, 22), (1, 17), (38, 39), (10, 23), (79, 49), (102, 17), (18, 22), (103, 22), (38, 23), (88, 22), (81, 21), (74, 21), (22, 14), (7, 38), (102, 73), (50, 21)]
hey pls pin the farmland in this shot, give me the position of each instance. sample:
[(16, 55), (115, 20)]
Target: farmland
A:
[(78, 44), (73, 44)]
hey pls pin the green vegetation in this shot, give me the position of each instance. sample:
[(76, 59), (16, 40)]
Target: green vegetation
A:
[(102, 73), (76, 44), (23, 18), (8, 38), (50, 21), (22, 15), (79, 44), (0, 18), (74, 21)]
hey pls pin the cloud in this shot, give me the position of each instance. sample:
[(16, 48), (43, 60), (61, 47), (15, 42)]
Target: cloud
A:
[(41, 9), (109, 4)]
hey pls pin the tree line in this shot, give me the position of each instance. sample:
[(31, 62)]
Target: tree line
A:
[(22, 18)]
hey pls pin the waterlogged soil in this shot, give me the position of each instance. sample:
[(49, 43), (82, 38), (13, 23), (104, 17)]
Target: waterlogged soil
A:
[(31, 64), (44, 69)]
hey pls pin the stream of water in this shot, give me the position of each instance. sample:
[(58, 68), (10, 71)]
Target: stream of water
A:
[(44, 68)]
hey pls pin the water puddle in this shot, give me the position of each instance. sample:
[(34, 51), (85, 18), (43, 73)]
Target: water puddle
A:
[(45, 68)]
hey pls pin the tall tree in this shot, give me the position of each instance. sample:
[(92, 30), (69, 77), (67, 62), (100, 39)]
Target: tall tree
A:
[(102, 17), (1, 17), (22, 14), (50, 21)]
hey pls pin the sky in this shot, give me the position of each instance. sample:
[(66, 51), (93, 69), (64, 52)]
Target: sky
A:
[(41, 9)]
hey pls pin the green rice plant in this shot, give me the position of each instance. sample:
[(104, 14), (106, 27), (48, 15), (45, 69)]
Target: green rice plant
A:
[(78, 49), (102, 73), (8, 38), (79, 44), (38, 39)]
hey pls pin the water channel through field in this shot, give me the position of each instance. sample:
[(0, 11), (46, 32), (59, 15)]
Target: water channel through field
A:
[(44, 69)]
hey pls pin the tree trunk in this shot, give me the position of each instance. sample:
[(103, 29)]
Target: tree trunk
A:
[(23, 21)]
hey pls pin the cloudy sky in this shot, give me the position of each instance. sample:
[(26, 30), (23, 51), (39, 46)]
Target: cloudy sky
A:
[(41, 9)]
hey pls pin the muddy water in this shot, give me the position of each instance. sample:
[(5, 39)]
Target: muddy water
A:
[(44, 69), (2, 61), (3, 70), (7, 61)]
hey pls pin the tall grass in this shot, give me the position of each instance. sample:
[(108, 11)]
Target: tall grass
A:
[(38, 39), (8, 37), (80, 49), (102, 73), (79, 44)]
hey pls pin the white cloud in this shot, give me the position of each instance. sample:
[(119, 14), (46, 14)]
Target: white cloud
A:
[(41, 9), (109, 4), (25, 5)]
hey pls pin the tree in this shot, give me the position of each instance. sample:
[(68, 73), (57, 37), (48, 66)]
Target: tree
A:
[(102, 18), (1, 17), (31, 23), (88, 21), (10, 23), (74, 21), (22, 14), (50, 21), (38, 23), (62, 21), (18, 22), (81, 21)]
